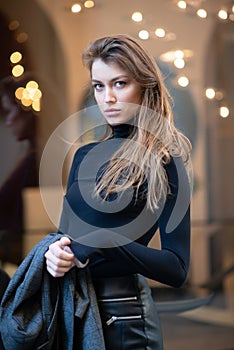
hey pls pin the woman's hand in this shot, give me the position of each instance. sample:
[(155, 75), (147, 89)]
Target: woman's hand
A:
[(59, 257)]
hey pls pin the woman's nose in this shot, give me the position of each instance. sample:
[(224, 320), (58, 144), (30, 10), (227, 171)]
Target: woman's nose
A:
[(110, 96)]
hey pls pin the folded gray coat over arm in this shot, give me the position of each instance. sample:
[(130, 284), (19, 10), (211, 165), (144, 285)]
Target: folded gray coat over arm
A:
[(38, 311)]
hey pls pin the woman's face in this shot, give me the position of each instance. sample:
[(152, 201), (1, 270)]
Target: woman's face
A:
[(117, 94)]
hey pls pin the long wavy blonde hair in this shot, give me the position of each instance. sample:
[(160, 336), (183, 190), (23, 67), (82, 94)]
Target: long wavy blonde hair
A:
[(155, 133)]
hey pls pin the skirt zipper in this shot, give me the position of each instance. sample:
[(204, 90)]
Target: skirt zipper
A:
[(108, 300), (119, 318)]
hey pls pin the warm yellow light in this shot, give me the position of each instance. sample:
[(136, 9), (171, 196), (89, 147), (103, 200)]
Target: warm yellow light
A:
[(17, 70), (22, 37), (137, 16), (170, 56), (183, 81), (31, 91), (219, 95), (32, 84), (36, 105), (26, 102), (210, 93), (232, 8), (182, 4), (89, 4), (35, 94), (202, 13), (15, 57), (19, 93), (76, 8), (13, 25), (223, 14), (223, 111), (30, 95), (179, 63), (26, 94), (187, 53), (143, 34), (160, 32)]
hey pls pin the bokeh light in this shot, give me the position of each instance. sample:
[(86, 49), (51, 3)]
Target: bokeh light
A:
[(137, 16), (15, 57), (17, 70), (30, 96), (143, 34)]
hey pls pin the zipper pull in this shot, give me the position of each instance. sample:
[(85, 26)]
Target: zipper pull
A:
[(111, 320)]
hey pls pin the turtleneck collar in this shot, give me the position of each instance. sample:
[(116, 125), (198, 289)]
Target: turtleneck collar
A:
[(122, 130)]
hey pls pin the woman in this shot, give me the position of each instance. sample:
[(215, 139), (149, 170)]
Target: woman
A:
[(145, 170)]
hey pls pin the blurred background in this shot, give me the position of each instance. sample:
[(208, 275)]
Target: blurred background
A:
[(43, 83)]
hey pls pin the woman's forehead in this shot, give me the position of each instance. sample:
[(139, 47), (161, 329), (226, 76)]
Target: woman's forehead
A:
[(110, 70)]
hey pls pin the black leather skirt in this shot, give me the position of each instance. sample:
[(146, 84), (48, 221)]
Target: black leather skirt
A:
[(128, 313)]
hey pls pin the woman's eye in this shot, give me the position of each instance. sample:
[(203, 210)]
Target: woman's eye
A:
[(98, 86), (120, 83)]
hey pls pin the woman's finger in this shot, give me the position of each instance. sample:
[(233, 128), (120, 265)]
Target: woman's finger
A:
[(57, 250), (58, 269)]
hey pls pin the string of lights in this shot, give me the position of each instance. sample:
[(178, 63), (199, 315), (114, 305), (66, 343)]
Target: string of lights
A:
[(30, 95), (180, 57), (223, 13), (79, 6)]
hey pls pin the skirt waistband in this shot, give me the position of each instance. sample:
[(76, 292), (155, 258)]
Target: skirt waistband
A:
[(116, 287)]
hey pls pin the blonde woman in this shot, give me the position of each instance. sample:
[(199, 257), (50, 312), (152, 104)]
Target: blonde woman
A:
[(125, 188)]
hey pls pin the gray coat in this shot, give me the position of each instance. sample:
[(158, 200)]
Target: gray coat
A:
[(37, 310)]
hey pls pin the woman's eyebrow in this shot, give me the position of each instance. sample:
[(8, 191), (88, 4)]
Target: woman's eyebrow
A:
[(113, 79)]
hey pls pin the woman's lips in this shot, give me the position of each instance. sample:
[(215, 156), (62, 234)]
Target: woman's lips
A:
[(112, 112)]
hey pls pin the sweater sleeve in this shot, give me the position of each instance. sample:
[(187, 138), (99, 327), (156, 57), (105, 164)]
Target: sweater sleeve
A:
[(170, 263)]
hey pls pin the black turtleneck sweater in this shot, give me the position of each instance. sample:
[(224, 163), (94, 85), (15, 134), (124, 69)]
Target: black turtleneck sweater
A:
[(114, 234)]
